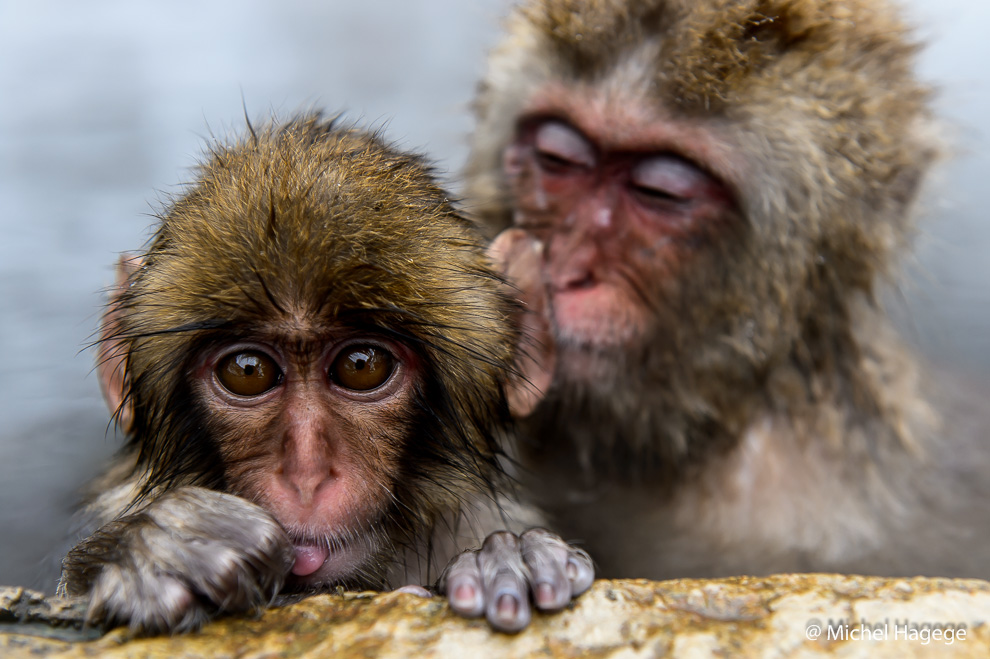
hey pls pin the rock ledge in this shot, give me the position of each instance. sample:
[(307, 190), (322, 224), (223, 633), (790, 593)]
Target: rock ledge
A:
[(805, 615)]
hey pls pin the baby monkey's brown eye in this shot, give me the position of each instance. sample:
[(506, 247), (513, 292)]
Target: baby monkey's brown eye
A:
[(362, 368), (248, 373)]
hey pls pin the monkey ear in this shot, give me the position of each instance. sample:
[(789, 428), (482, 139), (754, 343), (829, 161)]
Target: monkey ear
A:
[(111, 358), (519, 258)]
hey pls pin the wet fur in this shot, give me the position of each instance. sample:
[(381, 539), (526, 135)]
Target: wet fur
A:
[(305, 223)]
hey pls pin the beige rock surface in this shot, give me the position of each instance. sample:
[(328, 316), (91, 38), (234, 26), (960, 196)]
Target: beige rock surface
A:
[(763, 617)]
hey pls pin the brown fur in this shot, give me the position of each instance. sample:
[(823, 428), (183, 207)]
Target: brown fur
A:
[(303, 224), (295, 230), (774, 421)]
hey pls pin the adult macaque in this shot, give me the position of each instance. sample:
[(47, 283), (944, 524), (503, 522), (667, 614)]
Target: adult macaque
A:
[(309, 362), (698, 200)]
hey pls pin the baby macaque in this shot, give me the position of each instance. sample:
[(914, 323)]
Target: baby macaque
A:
[(310, 363)]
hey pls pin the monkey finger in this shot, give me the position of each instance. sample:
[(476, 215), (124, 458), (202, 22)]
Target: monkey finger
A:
[(173, 606), (545, 555), (580, 570), (577, 564), (505, 580), (558, 572), (519, 257), (461, 583), (509, 247)]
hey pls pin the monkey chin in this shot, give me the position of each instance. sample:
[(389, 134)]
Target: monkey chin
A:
[(593, 326)]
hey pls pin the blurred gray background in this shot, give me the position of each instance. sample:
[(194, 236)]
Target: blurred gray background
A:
[(103, 103)]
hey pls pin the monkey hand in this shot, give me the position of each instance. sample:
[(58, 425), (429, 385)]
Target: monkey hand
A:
[(500, 579), (189, 555), (519, 257)]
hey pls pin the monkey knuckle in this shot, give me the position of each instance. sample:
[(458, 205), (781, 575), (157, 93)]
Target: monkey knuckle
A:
[(581, 578), (499, 542), (543, 542), (464, 563), (546, 554), (553, 570), (219, 579), (497, 557), (507, 571), (537, 533)]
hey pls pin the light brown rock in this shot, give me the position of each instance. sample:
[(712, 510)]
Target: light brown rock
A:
[(762, 617)]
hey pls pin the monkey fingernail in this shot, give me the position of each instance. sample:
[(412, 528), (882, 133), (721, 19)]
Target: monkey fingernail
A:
[(546, 596), (507, 610), (466, 599)]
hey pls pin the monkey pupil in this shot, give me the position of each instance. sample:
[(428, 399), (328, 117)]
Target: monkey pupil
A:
[(362, 368), (248, 373)]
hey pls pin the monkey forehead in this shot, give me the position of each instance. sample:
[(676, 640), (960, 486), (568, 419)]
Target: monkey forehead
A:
[(310, 171), (848, 63), (317, 207), (315, 220), (714, 41)]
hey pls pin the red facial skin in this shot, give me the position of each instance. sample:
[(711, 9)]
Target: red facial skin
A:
[(611, 220), (318, 456)]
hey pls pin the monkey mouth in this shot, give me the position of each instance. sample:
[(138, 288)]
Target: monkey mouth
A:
[(594, 315), (309, 559), (328, 560)]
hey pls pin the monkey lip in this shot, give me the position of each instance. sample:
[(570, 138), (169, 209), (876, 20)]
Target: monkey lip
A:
[(320, 563), (595, 315), (309, 559)]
